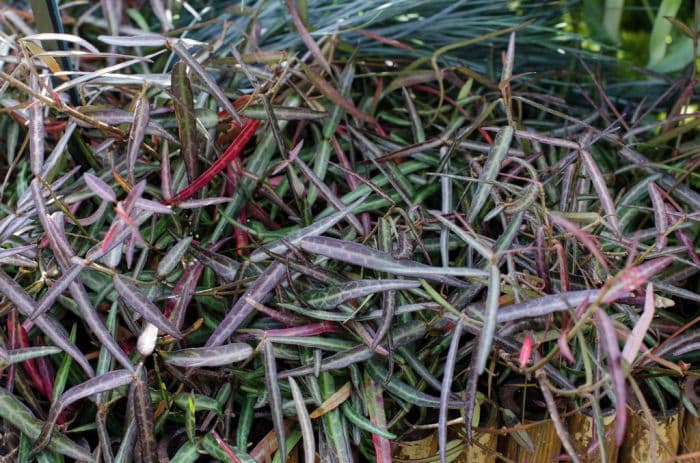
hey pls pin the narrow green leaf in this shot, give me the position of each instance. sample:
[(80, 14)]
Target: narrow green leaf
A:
[(199, 402), (190, 418), (322, 158), (361, 422), (245, 421), (521, 437), (335, 431), (661, 29), (497, 154), (27, 353), (257, 165), (188, 453), (472, 241), (183, 103), (63, 371), (404, 391)]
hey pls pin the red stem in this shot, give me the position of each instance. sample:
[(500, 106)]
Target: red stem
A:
[(30, 366), (231, 153)]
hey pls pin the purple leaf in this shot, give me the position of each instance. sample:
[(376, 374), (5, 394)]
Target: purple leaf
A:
[(446, 389), (660, 219), (334, 296), (141, 304), (99, 187), (143, 415), (102, 383), (183, 103), (119, 116), (153, 206), (377, 415), (36, 128), (173, 257), (304, 422), (259, 291), (138, 131), (545, 305), (632, 278), (483, 351), (209, 356), (275, 397), (317, 228), (58, 287), (223, 266), (598, 181), (183, 292), (26, 306), (608, 339), (364, 256), (636, 338), (178, 46), (388, 310), (583, 237), (197, 203), (95, 216)]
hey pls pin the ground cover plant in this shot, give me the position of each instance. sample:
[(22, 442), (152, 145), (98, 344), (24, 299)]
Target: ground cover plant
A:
[(276, 231)]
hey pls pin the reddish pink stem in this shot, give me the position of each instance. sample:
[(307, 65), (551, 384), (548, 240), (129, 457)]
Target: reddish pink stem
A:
[(313, 329), (224, 446), (231, 153), (30, 366)]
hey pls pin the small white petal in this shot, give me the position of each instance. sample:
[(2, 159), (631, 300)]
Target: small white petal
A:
[(147, 340)]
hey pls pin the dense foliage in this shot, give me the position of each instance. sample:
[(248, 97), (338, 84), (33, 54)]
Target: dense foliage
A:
[(246, 230)]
